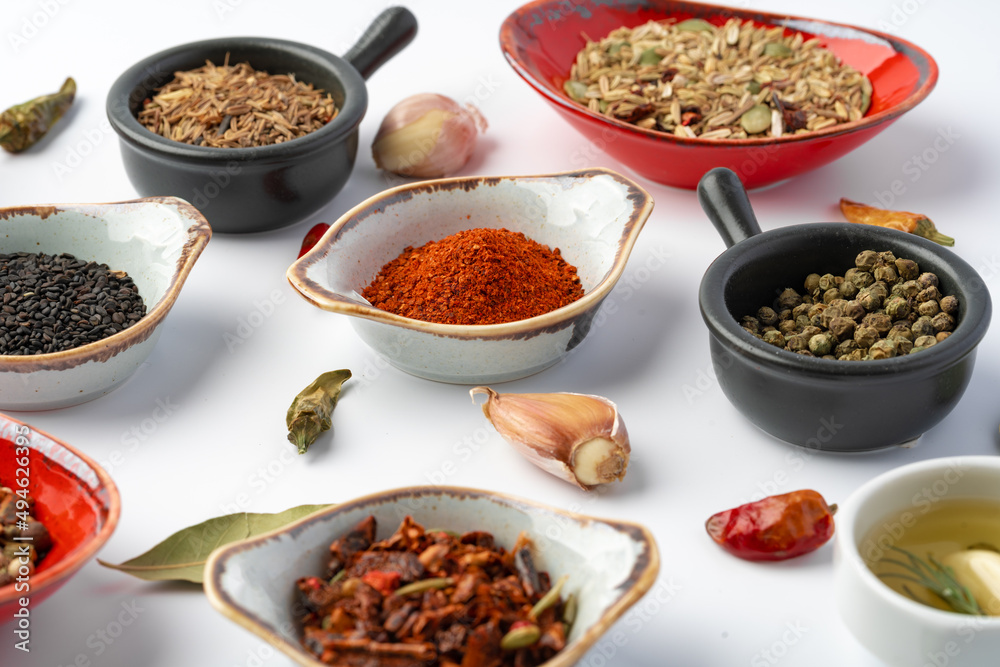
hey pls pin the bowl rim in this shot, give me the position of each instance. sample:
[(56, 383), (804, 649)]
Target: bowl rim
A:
[(722, 325), (643, 575), (74, 560), (851, 557), (198, 234), (346, 121), (642, 206), (509, 29)]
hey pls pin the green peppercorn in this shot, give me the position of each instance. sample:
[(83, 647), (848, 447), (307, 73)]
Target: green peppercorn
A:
[(928, 294), (811, 331), (887, 257), (848, 289), (816, 310), (941, 335), (878, 321), (832, 294), (751, 324), (949, 304), (827, 281), (897, 307), (802, 321), (842, 328), (900, 330), (775, 338), (910, 288), (828, 315), (925, 342), (923, 326), (820, 344), (862, 279), (865, 336), (853, 355), (881, 288), (854, 310), (797, 342), (903, 345), (767, 316), (845, 347), (869, 300), (787, 327), (927, 280), (886, 274), (789, 298), (866, 260), (882, 349), (811, 282), (943, 322), (907, 268), (801, 309), (929, 308)]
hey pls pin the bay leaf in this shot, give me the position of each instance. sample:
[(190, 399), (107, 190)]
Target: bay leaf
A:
[(182, 556)]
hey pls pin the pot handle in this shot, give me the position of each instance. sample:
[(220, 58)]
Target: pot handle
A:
[(391, 30), (725, 202)]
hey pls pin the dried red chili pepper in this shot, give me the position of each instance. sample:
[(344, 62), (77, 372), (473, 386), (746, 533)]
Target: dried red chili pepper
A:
[(774, 528), (382, 581), (312, 237)]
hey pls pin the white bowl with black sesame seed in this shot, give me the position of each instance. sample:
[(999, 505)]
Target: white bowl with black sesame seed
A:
[(83, 290)]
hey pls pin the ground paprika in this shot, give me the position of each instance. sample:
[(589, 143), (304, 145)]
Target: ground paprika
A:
[(477, 276)]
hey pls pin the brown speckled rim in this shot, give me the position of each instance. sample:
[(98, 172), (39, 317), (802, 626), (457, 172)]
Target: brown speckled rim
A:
[(198, 234), (639, 581), (105, 496), (642, 206)]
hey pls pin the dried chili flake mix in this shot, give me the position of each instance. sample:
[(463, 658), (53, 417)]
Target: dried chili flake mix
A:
[(477, 276), (422, 598)]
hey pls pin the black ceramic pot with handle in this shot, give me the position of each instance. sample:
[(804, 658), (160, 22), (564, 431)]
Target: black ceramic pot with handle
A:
[(261, 188), (830, 405)]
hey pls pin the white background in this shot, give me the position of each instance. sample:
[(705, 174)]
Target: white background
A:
[(693, 454)]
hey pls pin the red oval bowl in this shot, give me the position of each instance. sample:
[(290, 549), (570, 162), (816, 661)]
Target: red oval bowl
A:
[(541, 39), (74, 497)]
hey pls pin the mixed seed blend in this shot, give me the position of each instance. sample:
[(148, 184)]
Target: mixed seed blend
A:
[(735, 81), (883, 307)]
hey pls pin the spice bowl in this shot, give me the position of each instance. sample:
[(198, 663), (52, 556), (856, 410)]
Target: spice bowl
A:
[(156, 241), (592, 216), (828, 404), (877, 517), (541, 39), (75, 499), (252, 582), (254, 189)]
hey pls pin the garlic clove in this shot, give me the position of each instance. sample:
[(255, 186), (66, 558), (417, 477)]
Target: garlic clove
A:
[(577, 437), (427, 136), (979, 571)]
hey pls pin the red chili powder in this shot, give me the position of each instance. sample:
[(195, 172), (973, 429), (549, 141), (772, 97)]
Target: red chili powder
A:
[(478, 276)]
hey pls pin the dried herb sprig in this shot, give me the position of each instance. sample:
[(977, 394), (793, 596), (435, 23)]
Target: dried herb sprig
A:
[(935, 577), (311, 411)]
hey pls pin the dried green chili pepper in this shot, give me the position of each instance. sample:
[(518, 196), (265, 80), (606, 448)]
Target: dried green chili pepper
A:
[(22, 125), (310, 412)]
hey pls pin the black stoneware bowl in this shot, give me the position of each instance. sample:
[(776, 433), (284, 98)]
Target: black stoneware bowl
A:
[(842, 406), (267, 187)]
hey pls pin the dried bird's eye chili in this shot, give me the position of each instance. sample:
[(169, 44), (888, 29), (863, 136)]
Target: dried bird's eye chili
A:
[(477, 276)]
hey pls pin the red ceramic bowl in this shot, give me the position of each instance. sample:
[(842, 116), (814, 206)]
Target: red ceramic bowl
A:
[(74, 497), (541, 39)]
